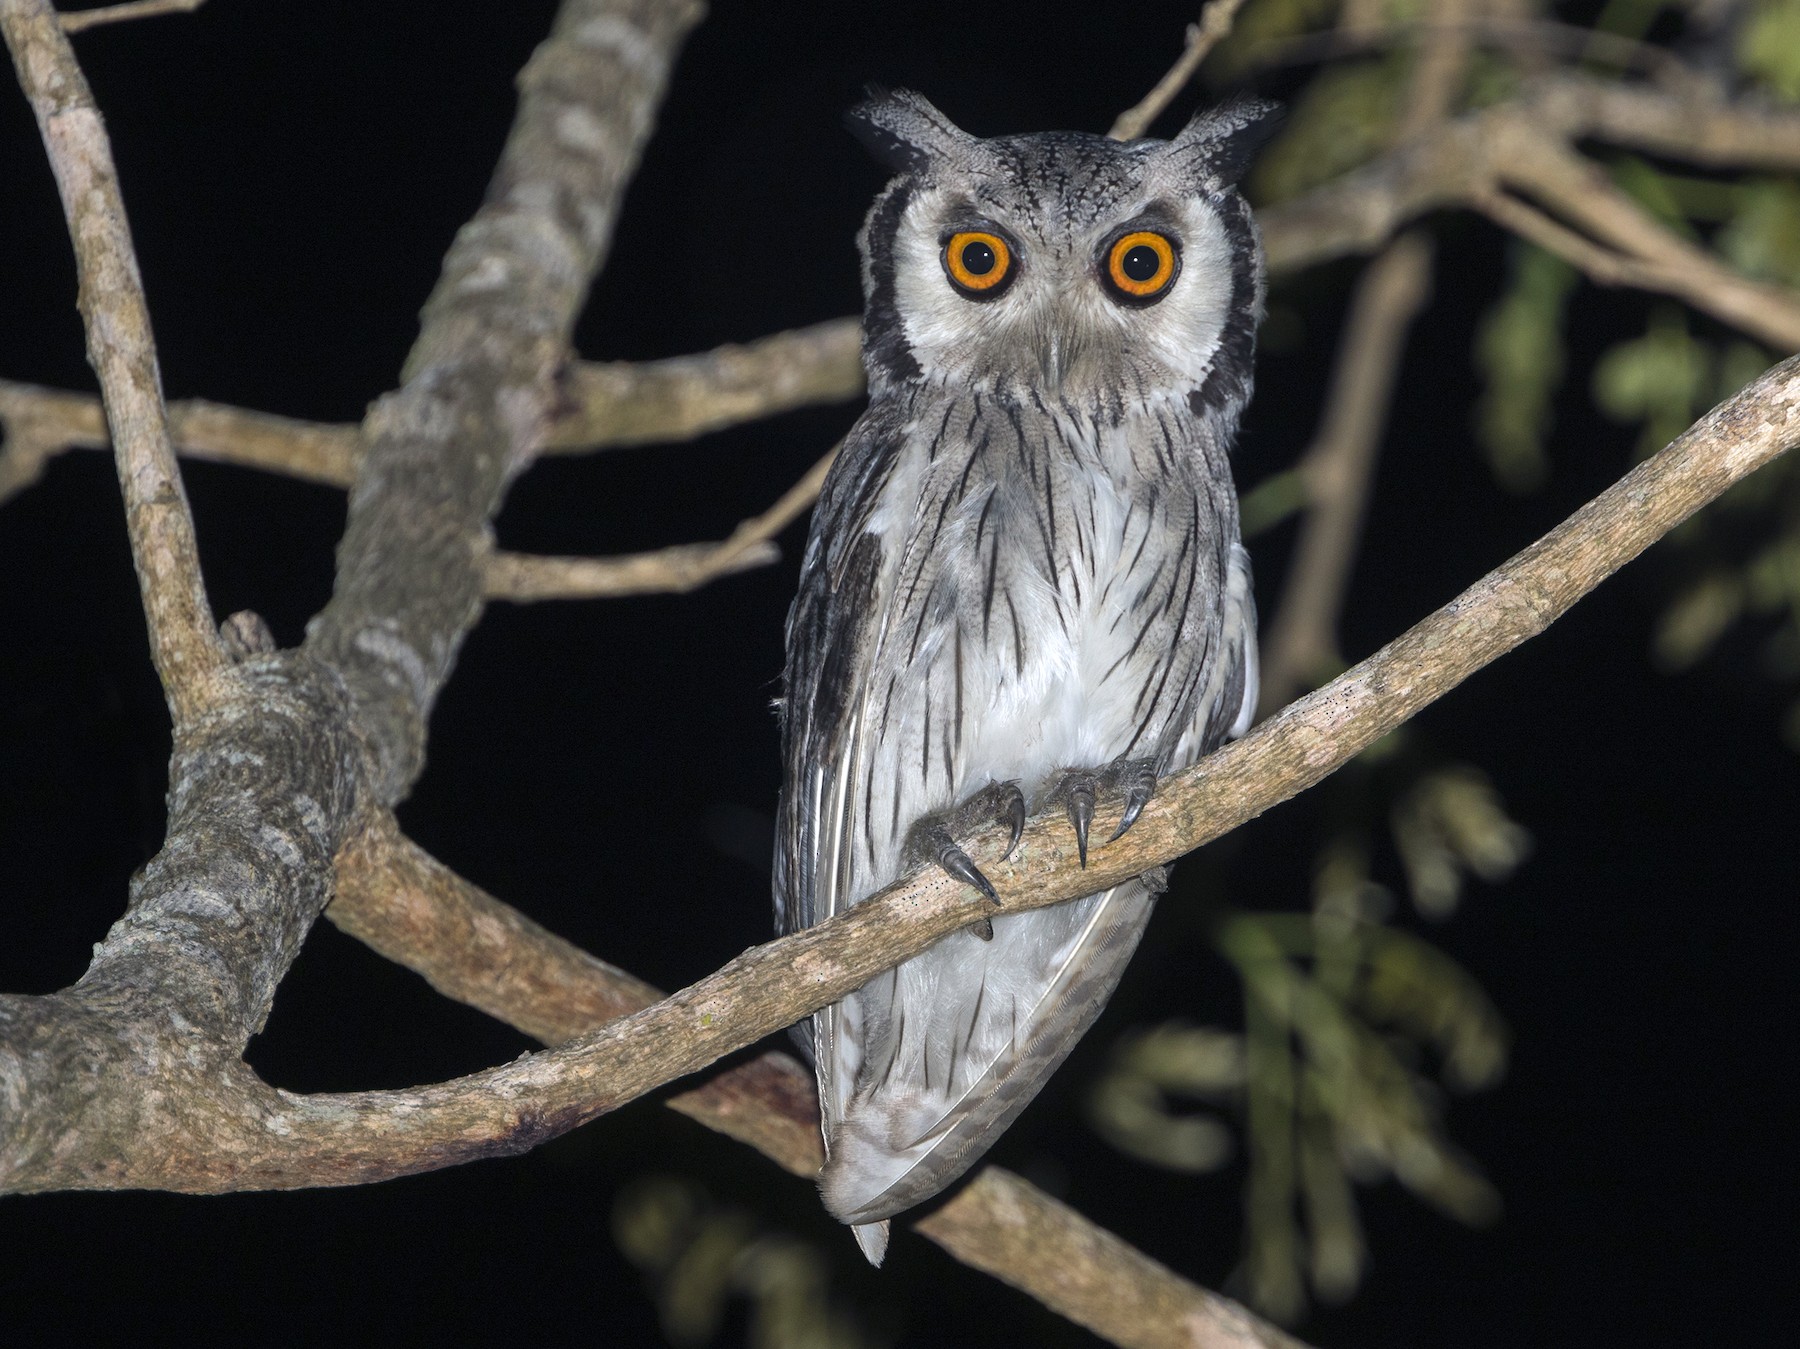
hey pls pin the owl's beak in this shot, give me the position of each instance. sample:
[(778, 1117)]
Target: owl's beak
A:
[(1058, 352)]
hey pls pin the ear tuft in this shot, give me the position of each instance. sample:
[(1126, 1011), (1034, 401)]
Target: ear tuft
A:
[(1220, 142), (903, 130)]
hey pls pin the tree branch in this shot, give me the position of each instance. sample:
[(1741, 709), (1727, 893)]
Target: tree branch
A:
[(1007, 1227), (183, 642), (602, 405), (654, 402), (1650, 254), (1463, 159)]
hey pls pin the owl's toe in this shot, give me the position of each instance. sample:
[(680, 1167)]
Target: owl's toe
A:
[(1076, 792)]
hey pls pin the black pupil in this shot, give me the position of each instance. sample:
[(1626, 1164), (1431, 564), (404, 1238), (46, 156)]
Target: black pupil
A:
[(978, 258), (1140, 263)]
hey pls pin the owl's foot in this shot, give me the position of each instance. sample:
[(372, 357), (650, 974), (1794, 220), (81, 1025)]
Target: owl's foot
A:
[(1135, 778), (933, 838)]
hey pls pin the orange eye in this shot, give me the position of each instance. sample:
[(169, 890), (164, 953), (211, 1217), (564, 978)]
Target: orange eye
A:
[(979, 263), (1141, 265)]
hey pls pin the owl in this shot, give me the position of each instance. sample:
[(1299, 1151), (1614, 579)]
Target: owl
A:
[(1024, 588)]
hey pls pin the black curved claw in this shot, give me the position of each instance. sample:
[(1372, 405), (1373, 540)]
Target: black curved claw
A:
[(1014, 814), (984, 929), (958, 864), (1081, 813), (1140, 786)]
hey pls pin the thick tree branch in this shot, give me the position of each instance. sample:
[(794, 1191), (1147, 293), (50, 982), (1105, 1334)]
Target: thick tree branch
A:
[(480, 384), (270, 778), (183, 642)]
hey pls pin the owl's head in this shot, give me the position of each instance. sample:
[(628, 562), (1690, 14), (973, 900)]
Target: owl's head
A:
[(1096, 271)]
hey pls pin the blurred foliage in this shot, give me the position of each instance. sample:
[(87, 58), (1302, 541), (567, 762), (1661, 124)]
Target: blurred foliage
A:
[(1519, 350), (1341, 1008), (699, 1255), (1768, 47), (1343, 119)]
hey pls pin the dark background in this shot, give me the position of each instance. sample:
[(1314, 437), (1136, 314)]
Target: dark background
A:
[(294, 173)]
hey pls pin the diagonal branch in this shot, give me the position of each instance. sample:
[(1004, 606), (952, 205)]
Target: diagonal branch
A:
[(183, 641), (480, 383), (471, 947), (228, 1131)]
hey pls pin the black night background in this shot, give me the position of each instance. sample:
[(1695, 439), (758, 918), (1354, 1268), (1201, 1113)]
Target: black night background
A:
[(294, 173)]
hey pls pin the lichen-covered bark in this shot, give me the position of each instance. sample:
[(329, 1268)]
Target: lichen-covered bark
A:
[(108, 1079), (480, 382)]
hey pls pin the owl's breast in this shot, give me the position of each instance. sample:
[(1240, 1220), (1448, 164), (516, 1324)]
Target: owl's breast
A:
[(1052, 596)]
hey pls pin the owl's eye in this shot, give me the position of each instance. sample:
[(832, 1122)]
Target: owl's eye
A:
[(1141, 266), (978, 262)]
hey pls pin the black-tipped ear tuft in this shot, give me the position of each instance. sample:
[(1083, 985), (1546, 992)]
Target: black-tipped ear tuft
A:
[(1220, 142), (903, 130)]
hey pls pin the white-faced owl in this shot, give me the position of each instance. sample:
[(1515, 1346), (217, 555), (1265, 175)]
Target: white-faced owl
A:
[(1024, 585)]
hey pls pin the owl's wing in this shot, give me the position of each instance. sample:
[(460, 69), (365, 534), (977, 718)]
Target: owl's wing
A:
[(830, 638)]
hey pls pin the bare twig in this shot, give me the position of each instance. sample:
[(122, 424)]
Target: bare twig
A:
[(183, 641), (523, 578), (1213, 28), (80, 20), (214, 1131), (1338, 468), (1528, 35)]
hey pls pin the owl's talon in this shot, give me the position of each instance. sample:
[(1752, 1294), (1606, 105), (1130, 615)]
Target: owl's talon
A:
[(962, 868), (1013, 812), (983, 929), (1138, 781), (1077, 792)]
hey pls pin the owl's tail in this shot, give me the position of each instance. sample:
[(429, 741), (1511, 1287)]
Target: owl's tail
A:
[(902, 1139)]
